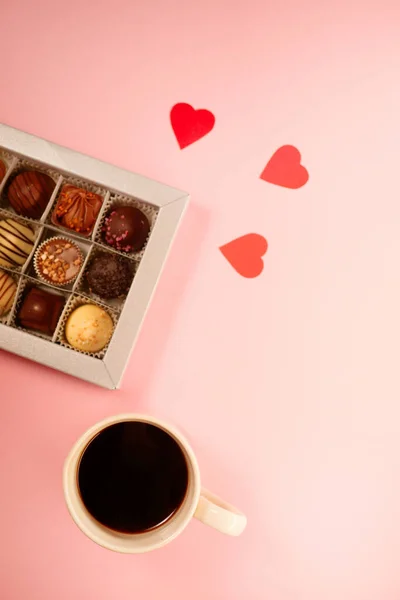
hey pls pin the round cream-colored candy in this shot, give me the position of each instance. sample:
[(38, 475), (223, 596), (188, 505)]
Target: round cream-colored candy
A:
[(89, 328)]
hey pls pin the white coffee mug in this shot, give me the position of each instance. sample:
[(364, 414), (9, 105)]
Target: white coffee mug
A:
[(198, 502)]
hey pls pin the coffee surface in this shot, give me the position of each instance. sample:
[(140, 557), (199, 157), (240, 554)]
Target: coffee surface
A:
[(132, 477)]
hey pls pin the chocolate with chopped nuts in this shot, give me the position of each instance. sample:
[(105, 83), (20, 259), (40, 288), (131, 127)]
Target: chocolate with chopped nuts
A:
[(58, 261)]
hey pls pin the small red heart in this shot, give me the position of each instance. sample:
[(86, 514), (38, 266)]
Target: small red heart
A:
[(190, 125), (245, 254), (284, 168)]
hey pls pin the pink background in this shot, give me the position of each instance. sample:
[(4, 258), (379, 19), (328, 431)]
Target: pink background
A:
[(287, 385)]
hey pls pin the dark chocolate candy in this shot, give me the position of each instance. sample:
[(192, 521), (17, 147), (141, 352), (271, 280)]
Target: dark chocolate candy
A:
[(126, 229), (109, 275), (77, 209), (40, 311), (29, 193)]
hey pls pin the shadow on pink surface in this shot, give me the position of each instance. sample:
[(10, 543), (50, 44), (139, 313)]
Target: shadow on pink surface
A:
[(152, 345)]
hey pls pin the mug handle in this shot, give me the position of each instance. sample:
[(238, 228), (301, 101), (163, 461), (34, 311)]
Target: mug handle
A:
[(220, 515)]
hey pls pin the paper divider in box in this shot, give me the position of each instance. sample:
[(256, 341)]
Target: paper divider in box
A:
[(38, 282), (100, 216), (74, 301), (24, 281), (10, 162), (149, 210), (52, 200), (35, 225), (61, 319), (9, 158), (81, 272), (86, 185)]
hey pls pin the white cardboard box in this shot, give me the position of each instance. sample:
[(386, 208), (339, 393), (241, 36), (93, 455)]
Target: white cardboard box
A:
[(170, 204)]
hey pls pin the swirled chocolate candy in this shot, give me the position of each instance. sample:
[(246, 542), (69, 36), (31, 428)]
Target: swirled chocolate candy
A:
[(8, 287), (40, 311), (16, 243), (29, 193), (109, 275), (126, 229), (77, 209)]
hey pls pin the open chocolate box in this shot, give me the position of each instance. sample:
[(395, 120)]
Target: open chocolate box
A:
[(31, 267)]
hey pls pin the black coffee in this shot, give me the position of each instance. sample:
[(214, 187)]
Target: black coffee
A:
[(132, 477)]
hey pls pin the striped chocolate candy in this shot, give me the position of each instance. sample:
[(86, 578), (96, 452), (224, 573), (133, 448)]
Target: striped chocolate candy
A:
[(16, 243), (29, 193), (8, 287)]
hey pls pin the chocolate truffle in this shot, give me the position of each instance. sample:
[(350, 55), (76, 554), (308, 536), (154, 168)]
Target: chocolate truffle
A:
[(3, 170), (16, 243), (40, 311), (77, 209), (109, 276), (29, 193), (126, 229), (89, 328), (58, 261), (8, 287)]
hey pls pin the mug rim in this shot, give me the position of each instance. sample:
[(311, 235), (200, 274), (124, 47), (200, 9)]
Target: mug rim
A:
[(71, 466)]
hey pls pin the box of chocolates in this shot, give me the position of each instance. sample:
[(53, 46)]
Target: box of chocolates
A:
[(82, 245)]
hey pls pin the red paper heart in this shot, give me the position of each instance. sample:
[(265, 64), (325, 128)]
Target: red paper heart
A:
[(190, 125), (245, 254), (284, 168)]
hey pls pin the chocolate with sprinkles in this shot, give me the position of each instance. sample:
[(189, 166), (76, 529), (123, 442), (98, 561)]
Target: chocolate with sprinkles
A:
[(126, 229)]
